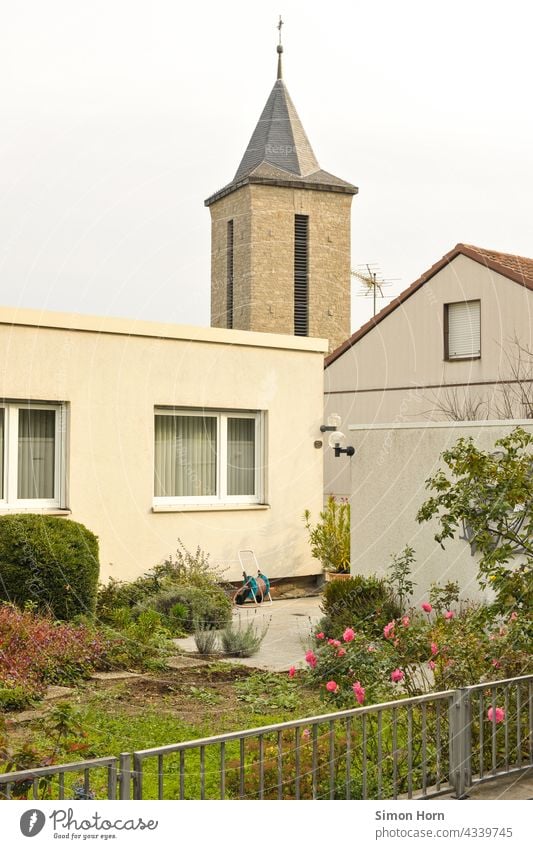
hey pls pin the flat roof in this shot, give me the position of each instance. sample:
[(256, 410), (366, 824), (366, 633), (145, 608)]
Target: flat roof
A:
[(47, 320)]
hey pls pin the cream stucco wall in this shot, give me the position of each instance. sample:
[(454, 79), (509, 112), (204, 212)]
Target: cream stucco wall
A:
[(112, 373), (397, 371), (388, 474)]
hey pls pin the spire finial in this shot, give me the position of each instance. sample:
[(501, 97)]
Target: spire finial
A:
[(280, 49)]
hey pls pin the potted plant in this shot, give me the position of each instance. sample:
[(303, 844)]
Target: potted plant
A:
[(330, 538)]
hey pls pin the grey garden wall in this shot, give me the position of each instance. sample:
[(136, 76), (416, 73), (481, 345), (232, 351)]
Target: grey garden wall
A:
[(388, 474)]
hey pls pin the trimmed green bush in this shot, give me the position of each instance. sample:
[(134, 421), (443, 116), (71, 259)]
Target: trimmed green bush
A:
[(364, 603), (49, 561)]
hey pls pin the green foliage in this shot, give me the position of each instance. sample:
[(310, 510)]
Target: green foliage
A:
[(399, 578), (242, 641), (360, 602), (50, 561), (444, 598), (330, 537), (184, 589), (183, 606), (264, 692), (141, 643), (490, 495)]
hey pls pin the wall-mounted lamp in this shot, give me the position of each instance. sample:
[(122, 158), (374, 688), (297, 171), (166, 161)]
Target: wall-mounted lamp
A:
[(335, 440), (334, 422)]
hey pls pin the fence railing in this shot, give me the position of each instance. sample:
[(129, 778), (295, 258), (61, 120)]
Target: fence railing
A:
[(420, 747)]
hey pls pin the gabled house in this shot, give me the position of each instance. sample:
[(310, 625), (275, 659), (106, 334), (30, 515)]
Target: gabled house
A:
[(456, 344)]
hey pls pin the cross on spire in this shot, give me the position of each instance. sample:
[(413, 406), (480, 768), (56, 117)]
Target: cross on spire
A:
[(280, 49)]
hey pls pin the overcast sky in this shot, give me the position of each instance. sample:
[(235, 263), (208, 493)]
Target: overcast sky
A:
[(119, 117)]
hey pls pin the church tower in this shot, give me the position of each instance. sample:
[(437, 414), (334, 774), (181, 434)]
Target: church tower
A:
[(280, 234)]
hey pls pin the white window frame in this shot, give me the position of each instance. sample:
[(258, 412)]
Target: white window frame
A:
[(221, 497), (467, 355), (9, 499)]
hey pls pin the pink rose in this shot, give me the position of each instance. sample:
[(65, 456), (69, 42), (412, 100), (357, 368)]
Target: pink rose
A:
[(449, 614), (431, 664), (496, 663), (341, 652), (434, 648), (371, 648), (292, 672), (427, 607), (306, 734), (359, 692), (514, 616), (397, 675), (498, 714), (406, 621), (332, 687), (388, 629), (320, 635), (348, 635), (310, 657)]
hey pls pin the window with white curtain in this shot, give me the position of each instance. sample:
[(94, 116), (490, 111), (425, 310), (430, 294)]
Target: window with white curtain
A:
[(31, 462), (207, 457)]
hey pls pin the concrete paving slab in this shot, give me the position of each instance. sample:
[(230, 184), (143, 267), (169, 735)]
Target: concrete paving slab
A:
[(290, 622)]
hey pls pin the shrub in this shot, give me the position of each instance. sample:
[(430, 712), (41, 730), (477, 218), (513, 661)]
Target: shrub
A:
[(37, 651), (361, 602), (238, 641), (206, 639), (182, 607), (50, 561), (140, 643), (187, 568), (330, 538)]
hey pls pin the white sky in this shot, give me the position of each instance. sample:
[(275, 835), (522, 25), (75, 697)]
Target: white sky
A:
[(119, 117)]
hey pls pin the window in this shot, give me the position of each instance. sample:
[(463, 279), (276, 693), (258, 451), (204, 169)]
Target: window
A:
[(31, 455), (229, 281), (462, 330), (207, 457), (301, 275)]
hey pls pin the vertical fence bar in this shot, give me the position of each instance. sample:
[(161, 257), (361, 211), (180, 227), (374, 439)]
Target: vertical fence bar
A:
[(241, 768), (182, 774), (460, 742), (331, 753), (518, 725), (530, 708), (137, 776), (261, 766), (61, 789), (124, 778), (438, 745), (297, 766), (493, 724), (315, 757), (111, 782), (222, 770), (202, 772), (160, 767), (363, 757), (380, 753), (348, 757), (506, 726), (86, 782), (424, 765), (35, 788), (394, 753), (481, 717), (280, 765), (409, 752)]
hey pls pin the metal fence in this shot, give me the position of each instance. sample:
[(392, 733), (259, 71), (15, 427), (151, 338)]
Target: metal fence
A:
[(421, 747)]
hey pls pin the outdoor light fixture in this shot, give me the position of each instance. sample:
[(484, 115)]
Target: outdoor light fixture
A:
[(335, 439), (333, 424)]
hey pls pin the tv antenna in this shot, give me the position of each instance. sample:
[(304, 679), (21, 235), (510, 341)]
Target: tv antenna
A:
[(373, 282)]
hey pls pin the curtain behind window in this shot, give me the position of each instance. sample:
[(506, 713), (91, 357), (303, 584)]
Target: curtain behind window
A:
[(241, 456), (36, 453), (185, 456)]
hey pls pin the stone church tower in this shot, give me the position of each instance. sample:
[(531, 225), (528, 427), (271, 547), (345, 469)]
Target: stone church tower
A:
[(280, 234)]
